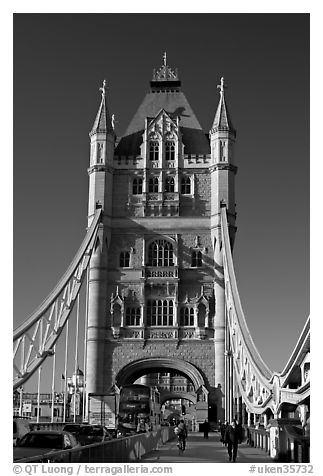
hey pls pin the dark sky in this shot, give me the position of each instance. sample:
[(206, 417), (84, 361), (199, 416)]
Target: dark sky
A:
[(60, 61)]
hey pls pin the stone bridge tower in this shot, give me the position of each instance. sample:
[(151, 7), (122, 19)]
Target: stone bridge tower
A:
[(156, 290)]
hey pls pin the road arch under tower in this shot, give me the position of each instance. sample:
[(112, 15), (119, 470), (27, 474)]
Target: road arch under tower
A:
[(134, 370)]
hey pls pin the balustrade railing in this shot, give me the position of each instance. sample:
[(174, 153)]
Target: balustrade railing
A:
[(160, 272)]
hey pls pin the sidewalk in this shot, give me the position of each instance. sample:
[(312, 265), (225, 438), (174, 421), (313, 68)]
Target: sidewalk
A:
[(200, 450)]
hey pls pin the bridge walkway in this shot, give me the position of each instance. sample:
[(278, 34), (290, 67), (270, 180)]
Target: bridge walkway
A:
[(200, 450)]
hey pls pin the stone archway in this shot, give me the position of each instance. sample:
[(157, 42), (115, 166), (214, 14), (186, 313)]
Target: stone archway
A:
[(132, 371), (164, 396)]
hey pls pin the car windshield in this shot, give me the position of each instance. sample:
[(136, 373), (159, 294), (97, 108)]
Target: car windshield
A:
[(72, 428), (42, 441), (92, 430)]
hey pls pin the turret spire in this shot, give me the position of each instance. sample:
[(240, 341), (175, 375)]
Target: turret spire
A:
[(221, 86), (103, 88), (102, 121), (222, 120)]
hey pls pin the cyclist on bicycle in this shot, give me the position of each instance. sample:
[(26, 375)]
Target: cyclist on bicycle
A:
[(181, 434)]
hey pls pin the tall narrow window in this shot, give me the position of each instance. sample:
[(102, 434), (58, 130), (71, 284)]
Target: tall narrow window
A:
[(186, 317), (137, 186), (153, 150), (186, 185), (124, 259), (160, 312), (170, 150), (100, 157), (169, 184), (196, 259), (133, 316), (160, 253), (153, 185)]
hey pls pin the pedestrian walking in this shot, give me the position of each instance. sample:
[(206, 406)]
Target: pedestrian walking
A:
[(224, 426), (206, 429), (232, 437)]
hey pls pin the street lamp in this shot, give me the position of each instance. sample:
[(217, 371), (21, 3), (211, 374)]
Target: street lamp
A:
[(75, 386)]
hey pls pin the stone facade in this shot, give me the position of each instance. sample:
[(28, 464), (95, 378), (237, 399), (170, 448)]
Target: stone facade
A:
[(155, 286)]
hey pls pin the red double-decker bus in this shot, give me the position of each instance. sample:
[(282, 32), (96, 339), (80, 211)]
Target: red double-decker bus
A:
[(139, 409)]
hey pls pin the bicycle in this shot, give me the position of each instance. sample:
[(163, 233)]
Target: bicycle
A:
[(181, 444)]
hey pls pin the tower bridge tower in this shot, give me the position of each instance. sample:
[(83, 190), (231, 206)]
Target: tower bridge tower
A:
[(156, 289)]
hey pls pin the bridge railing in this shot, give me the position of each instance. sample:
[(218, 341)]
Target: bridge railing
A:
[(258, 438), (46, 425), (293, 446), (298, 445), (120, 450)]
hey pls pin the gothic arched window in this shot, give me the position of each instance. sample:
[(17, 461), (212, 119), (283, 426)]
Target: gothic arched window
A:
[(196, 259), (160, 312), (169, 184), (137, 186), (133, 316), (153, 150), (186, 185), (100, 156), (160, 253), (186, 317), (124, 259), (170, 150), (153, 185)]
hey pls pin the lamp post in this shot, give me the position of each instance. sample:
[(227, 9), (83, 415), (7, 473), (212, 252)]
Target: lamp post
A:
[(75, 386)]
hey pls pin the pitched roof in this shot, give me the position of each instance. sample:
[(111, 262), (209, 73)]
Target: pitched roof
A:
[(176, 105)]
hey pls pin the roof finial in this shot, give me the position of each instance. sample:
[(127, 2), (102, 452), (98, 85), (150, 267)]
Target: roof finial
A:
[(221, 86), (164, 73), (104, 87), (113, 121)]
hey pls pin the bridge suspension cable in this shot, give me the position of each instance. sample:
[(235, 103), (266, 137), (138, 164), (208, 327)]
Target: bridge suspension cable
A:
[(34, 340), (252, 375)]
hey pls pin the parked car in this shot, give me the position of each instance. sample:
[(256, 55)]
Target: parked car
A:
[(41, 442), (93, 434), (21, 426)]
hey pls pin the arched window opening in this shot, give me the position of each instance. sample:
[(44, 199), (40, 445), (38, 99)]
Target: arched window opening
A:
[(124, 259), (169, 184), (153, 185), (137, 186), (196, 261), (160, 312), (100, 156), (153, 150), (186, 317), (160, 253), (133, 316), (170, 150), (186, 185)]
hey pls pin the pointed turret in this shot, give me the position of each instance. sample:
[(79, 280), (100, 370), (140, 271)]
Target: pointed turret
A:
[(222, 140), (103, 122), (222, 120), (102, 139)]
